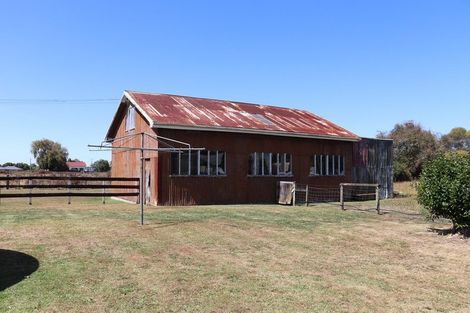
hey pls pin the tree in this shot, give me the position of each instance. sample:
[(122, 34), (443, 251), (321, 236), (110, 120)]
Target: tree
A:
[(49, 155), (444, 190), (23, 166), (101, 166), (412, 147), (8, 164), (458, 139)]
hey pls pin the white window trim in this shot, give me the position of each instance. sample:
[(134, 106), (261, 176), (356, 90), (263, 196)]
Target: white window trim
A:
[(130, 118)]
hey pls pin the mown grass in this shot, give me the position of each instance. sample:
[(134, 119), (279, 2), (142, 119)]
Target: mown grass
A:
[(237, 258)]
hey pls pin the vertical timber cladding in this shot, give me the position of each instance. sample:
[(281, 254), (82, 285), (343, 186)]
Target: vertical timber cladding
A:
[(372, 163), (237, 186), (127, 163)]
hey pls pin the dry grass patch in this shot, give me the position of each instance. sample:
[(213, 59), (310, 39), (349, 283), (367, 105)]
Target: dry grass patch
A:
[(253, 258)]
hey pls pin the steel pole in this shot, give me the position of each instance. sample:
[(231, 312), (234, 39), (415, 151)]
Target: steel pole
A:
[(142, 174)]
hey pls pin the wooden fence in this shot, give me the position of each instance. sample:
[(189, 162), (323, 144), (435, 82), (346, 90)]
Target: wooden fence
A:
[(75, 183)]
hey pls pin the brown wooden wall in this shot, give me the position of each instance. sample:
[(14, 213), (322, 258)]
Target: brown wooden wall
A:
[(127, 163), (237, 186)]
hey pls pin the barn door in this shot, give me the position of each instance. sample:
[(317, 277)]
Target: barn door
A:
[(148, 181)]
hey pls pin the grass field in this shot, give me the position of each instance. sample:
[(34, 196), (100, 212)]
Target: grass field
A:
[(244, 258)]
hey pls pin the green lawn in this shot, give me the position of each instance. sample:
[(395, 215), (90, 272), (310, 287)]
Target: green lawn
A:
[(238, 258)]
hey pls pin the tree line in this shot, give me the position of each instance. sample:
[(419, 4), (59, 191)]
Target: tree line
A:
[(414, 146), (52, 156)]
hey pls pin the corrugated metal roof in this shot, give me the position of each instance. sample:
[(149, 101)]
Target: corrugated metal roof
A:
[(75, 164), (10, 168), (174, 111)]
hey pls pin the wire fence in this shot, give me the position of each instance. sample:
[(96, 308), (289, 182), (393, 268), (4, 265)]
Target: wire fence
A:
[(345, 195)]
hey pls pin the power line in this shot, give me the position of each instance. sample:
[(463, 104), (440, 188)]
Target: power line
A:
[(56, 100)]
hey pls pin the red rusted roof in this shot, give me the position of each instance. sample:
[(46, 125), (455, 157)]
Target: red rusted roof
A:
[(75, 164), (172, 111)]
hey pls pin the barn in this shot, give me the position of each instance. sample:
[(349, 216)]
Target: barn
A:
[(208, 151)]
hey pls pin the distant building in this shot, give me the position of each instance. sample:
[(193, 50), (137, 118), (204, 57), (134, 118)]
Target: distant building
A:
[(10, 168), (89, 169), (76, 166)]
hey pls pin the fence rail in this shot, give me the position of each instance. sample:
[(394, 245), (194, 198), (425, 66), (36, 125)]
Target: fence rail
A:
[(73, 183), (73, 178), (305, 194)]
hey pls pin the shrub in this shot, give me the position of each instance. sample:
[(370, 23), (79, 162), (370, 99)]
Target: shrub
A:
[(101, 166), (444, 189)]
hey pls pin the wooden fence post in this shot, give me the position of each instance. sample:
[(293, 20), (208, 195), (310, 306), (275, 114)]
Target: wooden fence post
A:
[(293, 195), (306, 195), (30, 182), (69, 182), (341, 195), (377, 198), (104, 193)]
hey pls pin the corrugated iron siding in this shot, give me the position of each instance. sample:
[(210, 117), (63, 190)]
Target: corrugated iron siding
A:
[(237, 186), (127, 163), (372, 160)]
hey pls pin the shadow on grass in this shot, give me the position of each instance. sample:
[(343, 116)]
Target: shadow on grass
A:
[(14, 267), (465, 233), (384, 211), (153, 224)]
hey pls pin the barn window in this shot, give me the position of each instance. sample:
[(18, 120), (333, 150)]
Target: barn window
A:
[(130, 118), (327, 165), (198, 163), (269, 164)]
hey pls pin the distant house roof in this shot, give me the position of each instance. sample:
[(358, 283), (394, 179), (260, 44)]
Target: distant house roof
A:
[(191, 113), (75, 164), (10, 168)]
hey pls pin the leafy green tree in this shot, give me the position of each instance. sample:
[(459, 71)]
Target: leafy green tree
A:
[(458, 139), (412, 147), (444, 189), (101, 166), (23, 166), (49, 155), (8, 164)]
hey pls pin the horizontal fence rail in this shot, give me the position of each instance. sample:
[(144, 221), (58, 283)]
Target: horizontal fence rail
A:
[(67, 194), (73, 178), (68, 183), (81, 186)]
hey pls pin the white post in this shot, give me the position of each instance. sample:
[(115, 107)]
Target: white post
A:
[(293, 195)]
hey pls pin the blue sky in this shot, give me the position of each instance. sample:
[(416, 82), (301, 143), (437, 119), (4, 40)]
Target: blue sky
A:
[(364, 65)]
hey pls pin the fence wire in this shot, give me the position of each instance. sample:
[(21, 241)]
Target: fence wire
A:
[(354, 196)]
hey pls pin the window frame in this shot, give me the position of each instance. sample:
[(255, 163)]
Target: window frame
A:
[(198, 163), (321, 164), (254, 159), (130, 118)]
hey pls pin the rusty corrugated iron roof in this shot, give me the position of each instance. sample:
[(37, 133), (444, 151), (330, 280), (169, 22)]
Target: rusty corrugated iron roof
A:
[(75, 164), (183, 112)]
